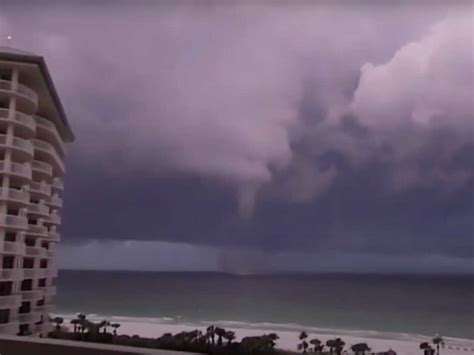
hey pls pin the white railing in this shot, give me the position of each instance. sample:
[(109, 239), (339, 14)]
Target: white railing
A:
[(10, 327), (38, 208), (17, 143), (37, 229), (10, 301), (49, 149), (35, 251), (54, 218), (11, 274), (13, 168), (30, 317), (34, 273), (14, 195), (7, 85), (56, 201), (57, 183), (41, 166), (14, 247), (40, 187), (31, 295), (16, 222), (49, 291), (53, 236), (51, 271), (51, 127), (18, 117)]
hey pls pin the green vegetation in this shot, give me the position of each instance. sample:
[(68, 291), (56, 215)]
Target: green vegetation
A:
[(213, 341)]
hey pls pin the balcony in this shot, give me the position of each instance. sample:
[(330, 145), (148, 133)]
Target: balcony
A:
[(51, 271), (30, 317), (49, 291), (38, 209), (34, 273), (53, 235), (54, 218), (37, 230), (40, 188), (21, 120), (10, 301), (55, 201), (47, 152), (32, 295), (41, 169), (48, 127), (13, 248), (11, 327), (57, 184), (11, 274), (27, 96), (15, 169), (22, 149), (35, 252), (13, 222), (20, 197)]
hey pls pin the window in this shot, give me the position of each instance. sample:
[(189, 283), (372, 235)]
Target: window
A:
[(27, 285), (30, 242), (6, 288), (28, 263), (44, 264), (8, 262), (41, 282), (10, 237), (25, 308), (4, 316)]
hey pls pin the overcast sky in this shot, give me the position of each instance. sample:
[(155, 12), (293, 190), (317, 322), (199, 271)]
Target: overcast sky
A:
[(266, 136)]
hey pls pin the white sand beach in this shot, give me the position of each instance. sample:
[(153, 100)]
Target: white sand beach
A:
[(403, 344)]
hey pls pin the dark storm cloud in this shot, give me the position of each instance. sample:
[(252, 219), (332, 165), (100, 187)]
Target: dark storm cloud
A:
[(266, 127)]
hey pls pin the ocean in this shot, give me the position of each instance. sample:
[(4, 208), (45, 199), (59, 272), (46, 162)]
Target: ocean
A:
[(423, 305)]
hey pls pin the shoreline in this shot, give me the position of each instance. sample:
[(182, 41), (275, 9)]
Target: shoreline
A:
[(402, 343)]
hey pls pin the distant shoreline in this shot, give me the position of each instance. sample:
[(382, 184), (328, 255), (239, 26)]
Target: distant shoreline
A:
[(406, 344)]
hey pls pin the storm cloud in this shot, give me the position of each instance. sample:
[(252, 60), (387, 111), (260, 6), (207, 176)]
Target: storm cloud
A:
[(267, 127)]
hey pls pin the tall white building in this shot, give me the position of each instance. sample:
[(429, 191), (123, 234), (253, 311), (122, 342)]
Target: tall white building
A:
[(33, 132)]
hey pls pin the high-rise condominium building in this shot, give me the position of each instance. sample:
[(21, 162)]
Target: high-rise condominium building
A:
[(33, 132)]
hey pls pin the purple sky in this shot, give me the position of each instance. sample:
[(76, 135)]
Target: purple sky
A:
[(269, 136)]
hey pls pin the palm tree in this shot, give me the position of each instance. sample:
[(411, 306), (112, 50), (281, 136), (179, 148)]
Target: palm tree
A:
[(339, 345), (75, 323), (220, 332), (360, 348), (427, 349), (115, 326), (304, 344), (229, 336), (211, 334), (103, 324), (58, 321), (272, 338), (82, 321), (438, 340), (317, 345)]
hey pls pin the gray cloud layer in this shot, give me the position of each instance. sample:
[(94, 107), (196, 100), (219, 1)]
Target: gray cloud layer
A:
[(322, 126)]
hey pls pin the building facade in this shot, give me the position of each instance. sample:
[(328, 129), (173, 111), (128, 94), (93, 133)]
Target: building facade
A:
[(33, 133)]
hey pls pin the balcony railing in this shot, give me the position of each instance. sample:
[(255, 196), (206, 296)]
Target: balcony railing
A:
[(34, 273), (18, 117), (13, 247), (10, 327), (7, 194), (14, 222), (12, 168), (7, 85), (17, 143), (56, 201), (50, 150), (37, 229), (11, 274), (35, 251), (40, 188), (32, 295), (49, 291), (54, 219), (38, 209), (57, 184), (53, 236), (10, 301), (51, 128), (30, 317), (42, 167)]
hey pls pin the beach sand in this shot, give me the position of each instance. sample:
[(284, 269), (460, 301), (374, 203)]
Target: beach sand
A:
[(403, 344)]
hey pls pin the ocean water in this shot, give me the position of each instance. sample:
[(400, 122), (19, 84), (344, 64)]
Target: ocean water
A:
[(423, 305)]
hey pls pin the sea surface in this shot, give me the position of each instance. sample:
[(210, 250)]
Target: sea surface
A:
[(423, 305)]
